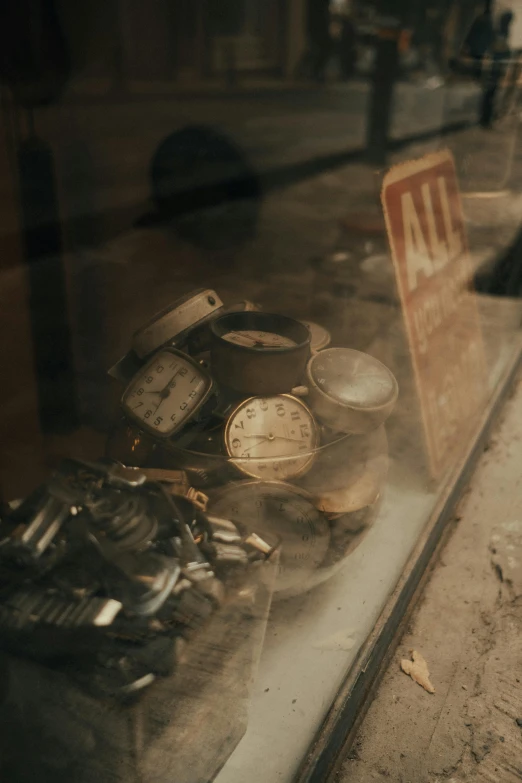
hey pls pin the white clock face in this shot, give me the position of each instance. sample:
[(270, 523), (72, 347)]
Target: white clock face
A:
[(166, 393), (353, 378), (253, 338), (272, 437)]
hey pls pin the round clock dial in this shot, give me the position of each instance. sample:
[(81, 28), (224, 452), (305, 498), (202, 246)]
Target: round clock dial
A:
[(272, 437), (285, 511), (350, 391), (166, 393)]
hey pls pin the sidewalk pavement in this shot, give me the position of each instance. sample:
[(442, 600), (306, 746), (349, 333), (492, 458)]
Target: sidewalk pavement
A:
[(468, 627)]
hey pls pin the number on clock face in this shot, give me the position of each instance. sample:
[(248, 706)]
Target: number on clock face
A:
[(272, 437), (165, 394)]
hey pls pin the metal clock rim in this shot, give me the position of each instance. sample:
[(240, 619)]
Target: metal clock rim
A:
[(351, 406), (234, 460)]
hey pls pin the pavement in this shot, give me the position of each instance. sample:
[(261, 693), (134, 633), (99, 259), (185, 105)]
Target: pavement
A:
[(468, 627)]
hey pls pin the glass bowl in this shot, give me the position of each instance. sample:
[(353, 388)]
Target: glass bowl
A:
[(321, 514)]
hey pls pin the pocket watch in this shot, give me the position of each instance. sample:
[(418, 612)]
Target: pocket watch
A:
[(167, 393), (272, 437), (320, 337), (350, 391), (258, 353), (174, 324), (285, 511)]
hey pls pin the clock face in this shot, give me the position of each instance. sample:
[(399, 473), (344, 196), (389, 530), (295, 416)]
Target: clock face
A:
[(253, 338), (272, 437), (285, 511), (166, 394), (353, 378)]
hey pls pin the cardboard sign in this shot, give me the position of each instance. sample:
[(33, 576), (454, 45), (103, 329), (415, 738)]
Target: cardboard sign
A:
[(427, 235)]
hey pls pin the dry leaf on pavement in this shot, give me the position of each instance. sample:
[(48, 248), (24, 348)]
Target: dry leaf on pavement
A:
[(417, 669)]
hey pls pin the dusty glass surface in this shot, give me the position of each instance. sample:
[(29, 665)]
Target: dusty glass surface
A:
[(233, 158)]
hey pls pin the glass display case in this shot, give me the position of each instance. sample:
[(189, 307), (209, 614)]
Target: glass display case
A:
[(256, 325)]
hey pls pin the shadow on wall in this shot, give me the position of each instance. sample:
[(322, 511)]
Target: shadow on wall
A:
[(203, 185), (206, 205)]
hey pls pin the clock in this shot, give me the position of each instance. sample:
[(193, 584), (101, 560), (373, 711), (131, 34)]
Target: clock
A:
[(257, 353), (280, 509), (198, 341), (167, 393), (272, 437), (350, 391), (174, 324)]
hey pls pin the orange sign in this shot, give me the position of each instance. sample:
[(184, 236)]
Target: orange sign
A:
[(427, 235)]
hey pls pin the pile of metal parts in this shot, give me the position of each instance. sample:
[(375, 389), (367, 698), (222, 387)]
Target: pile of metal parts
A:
[(107, 573)]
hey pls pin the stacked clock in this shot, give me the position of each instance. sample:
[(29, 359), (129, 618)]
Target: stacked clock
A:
[(282, 431)]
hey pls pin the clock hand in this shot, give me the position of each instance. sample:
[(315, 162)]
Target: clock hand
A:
[(164, 389), (165, 392), (167, 388), (253, 446), (160, 403)]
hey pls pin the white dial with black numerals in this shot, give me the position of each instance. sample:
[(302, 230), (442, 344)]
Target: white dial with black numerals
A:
[(272, 437), (166, 393)]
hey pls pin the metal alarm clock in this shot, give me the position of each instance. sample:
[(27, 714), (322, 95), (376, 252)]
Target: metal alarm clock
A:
[(350, 391), (168, 392), (258, 353), (174, 324)]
